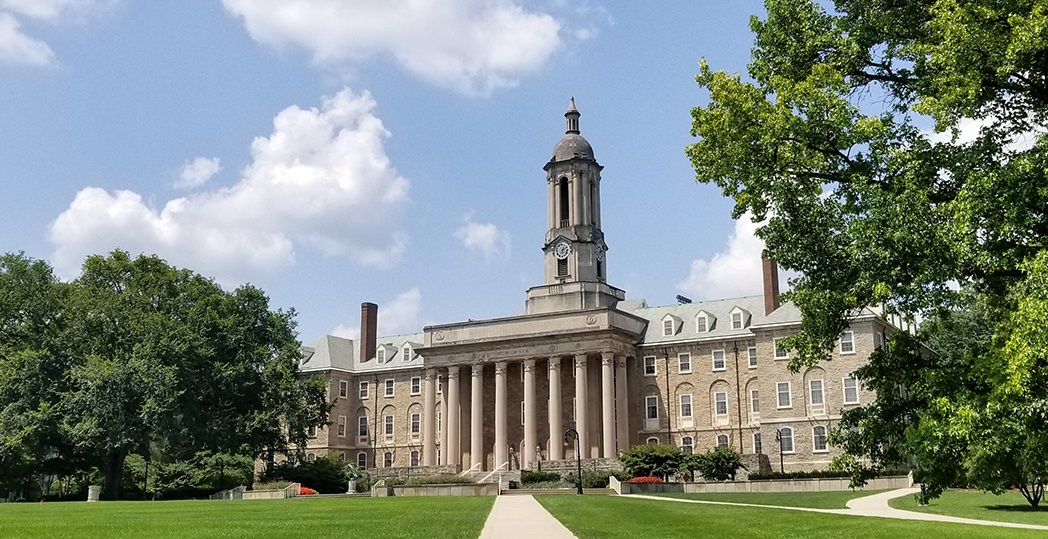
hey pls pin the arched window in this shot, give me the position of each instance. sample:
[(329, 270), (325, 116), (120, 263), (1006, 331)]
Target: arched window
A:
[(414, 458), (818, 438), (652, 440), (786, 440), (562, 192), (687, 445), (722, 440), (362, 459), (387, 459), (310, 457)]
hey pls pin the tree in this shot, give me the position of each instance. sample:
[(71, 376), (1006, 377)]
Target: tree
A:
[(657, 460), (719, 464), (896, 150)]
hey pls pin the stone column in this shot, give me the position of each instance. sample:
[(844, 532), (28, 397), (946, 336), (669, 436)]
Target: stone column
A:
[(429, 419), (501, 446), (581, 404), (454, 415), (476, 420), (622, 422), (607, 403), (530, 421), (555, 451), (443, 424)]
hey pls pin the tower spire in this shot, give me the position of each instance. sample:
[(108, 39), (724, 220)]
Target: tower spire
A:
[(573, 118)]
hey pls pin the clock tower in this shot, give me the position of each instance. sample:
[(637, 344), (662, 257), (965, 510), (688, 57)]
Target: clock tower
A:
[(575, 252)]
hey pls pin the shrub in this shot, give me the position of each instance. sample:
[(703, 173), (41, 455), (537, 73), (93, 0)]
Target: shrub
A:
[(645, 479), (718, 464), (652, 459), (531, 476), (327, 474), (594, 478), (271, 485), (436, 480), (812, 474)]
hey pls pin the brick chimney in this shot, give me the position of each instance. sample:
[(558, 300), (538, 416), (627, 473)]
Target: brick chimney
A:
[(368, 330), (771, 285)]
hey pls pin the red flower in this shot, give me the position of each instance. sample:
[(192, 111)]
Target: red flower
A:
[(645, 479), (306, 491)]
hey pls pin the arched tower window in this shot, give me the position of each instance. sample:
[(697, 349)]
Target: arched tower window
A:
[(562, 191), (593, 202)]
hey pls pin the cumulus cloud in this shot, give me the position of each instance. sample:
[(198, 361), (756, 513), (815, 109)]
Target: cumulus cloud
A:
[(18, 48), (321, 178), (484, 239), (197, 172), (470, 46), (733, 272), (47, 10), (395, 317)]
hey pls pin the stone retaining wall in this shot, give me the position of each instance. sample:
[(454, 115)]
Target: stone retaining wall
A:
[(413, 471), (477, 489), (569, 465), (764, 485)]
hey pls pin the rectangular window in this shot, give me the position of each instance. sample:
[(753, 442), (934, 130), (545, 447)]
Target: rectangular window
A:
[(414, 458), (387, 423), (363, 391), (718, 360), (440, 385), (389, 387), (562, 267), (416, 423), (818, 439), (380, 355), (720, 403), (755, 401), (757, 447), (780, 352), (847, 342), (736, 320), (416, 385), (343, 389), (700, 324), (341, 426), (786, 440), (667, 327), (521, 412), (311, 432), (362, 426), (815, 391), (651, 406), (751, 352), (783, 390), (649, 366), (851, 391), (684, 363), (685, 405)]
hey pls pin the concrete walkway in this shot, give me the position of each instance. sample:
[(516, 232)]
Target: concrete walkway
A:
[(867, 506), (521, 516)]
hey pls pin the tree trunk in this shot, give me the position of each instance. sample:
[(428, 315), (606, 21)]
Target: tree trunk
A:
[(114, 470)]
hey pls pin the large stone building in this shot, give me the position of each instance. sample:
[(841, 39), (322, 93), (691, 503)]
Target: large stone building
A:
[(500, 394)]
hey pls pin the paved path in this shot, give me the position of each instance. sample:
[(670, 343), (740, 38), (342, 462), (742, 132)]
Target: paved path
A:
[(521, 516), (867, 506)]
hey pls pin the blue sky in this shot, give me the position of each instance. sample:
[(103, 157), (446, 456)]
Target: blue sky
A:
[(334, 152)]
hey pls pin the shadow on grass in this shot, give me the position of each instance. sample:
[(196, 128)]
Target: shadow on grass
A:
[(1017, 508)]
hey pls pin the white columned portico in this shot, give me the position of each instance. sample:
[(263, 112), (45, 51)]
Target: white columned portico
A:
[(555, 451), (476, 419), (429, 419), (454, 415), (501, 445), (607, 401), (581, 404), (622, 422), (530, 421)]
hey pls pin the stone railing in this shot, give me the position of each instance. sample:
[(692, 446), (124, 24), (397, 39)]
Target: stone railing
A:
[(569, 465), (413, 471), (291, 491)]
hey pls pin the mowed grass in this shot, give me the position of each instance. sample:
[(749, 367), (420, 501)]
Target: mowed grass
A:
[(1008, 507), (817, 500), (593, 517), (424, 517)]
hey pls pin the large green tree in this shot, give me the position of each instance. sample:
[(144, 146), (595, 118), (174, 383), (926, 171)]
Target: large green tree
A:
[(896, 151)]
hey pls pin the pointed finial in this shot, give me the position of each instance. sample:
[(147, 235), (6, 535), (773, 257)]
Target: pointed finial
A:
[(571, 106), (573, 118)]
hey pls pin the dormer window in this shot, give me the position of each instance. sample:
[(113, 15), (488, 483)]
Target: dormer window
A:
[(740, 318), (380, 355), (406, 352), (670, 325), (704, 322)]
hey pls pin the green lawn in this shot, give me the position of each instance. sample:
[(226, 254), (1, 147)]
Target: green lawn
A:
[(593, 517), (817, 500), (427, 517), (1008, 507)]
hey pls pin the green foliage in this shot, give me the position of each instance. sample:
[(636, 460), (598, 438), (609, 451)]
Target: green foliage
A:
[(661, 460), (533, 476), (826, 143), (595, 478), (718, 464), (443, 479), (326, 475)]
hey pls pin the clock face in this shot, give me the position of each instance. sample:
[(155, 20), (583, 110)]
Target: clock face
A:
[(600, 253), (562, 250)]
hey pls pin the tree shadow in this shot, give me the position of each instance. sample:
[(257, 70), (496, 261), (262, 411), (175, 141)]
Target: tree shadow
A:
[(1017, 508)]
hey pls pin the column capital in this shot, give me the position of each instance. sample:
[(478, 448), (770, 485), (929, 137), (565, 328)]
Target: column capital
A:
[(554, 364), (529, 365), (580, 360), (429, 374), (500, 367), (453, 372), (607, 358), (478, 369), (620, 362)]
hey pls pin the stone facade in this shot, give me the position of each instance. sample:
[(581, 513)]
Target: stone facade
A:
[(502, 394)]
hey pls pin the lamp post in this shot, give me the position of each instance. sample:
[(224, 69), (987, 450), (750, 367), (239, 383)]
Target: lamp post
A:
[(570, 435), (778, 439)]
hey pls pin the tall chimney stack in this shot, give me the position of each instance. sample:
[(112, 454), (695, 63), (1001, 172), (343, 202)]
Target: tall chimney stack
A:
[(771, 284), (368, 330)]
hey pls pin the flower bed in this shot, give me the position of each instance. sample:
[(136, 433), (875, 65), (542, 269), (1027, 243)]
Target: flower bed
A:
[(306, 491), (645, 479)]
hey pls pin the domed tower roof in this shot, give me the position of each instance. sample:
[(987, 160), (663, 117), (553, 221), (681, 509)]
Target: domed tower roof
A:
[(573, 145)]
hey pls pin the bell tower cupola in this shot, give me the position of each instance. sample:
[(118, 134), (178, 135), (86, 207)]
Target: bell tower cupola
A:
[(574, 250)]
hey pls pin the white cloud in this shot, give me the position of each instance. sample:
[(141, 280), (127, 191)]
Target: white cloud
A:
[(322, 178), (484, 239), (197, 172), (47, 10), (470, 46), (733, 272), (18, 48), (395, 317)]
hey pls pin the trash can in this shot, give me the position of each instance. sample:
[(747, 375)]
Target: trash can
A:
[(93, 492)]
